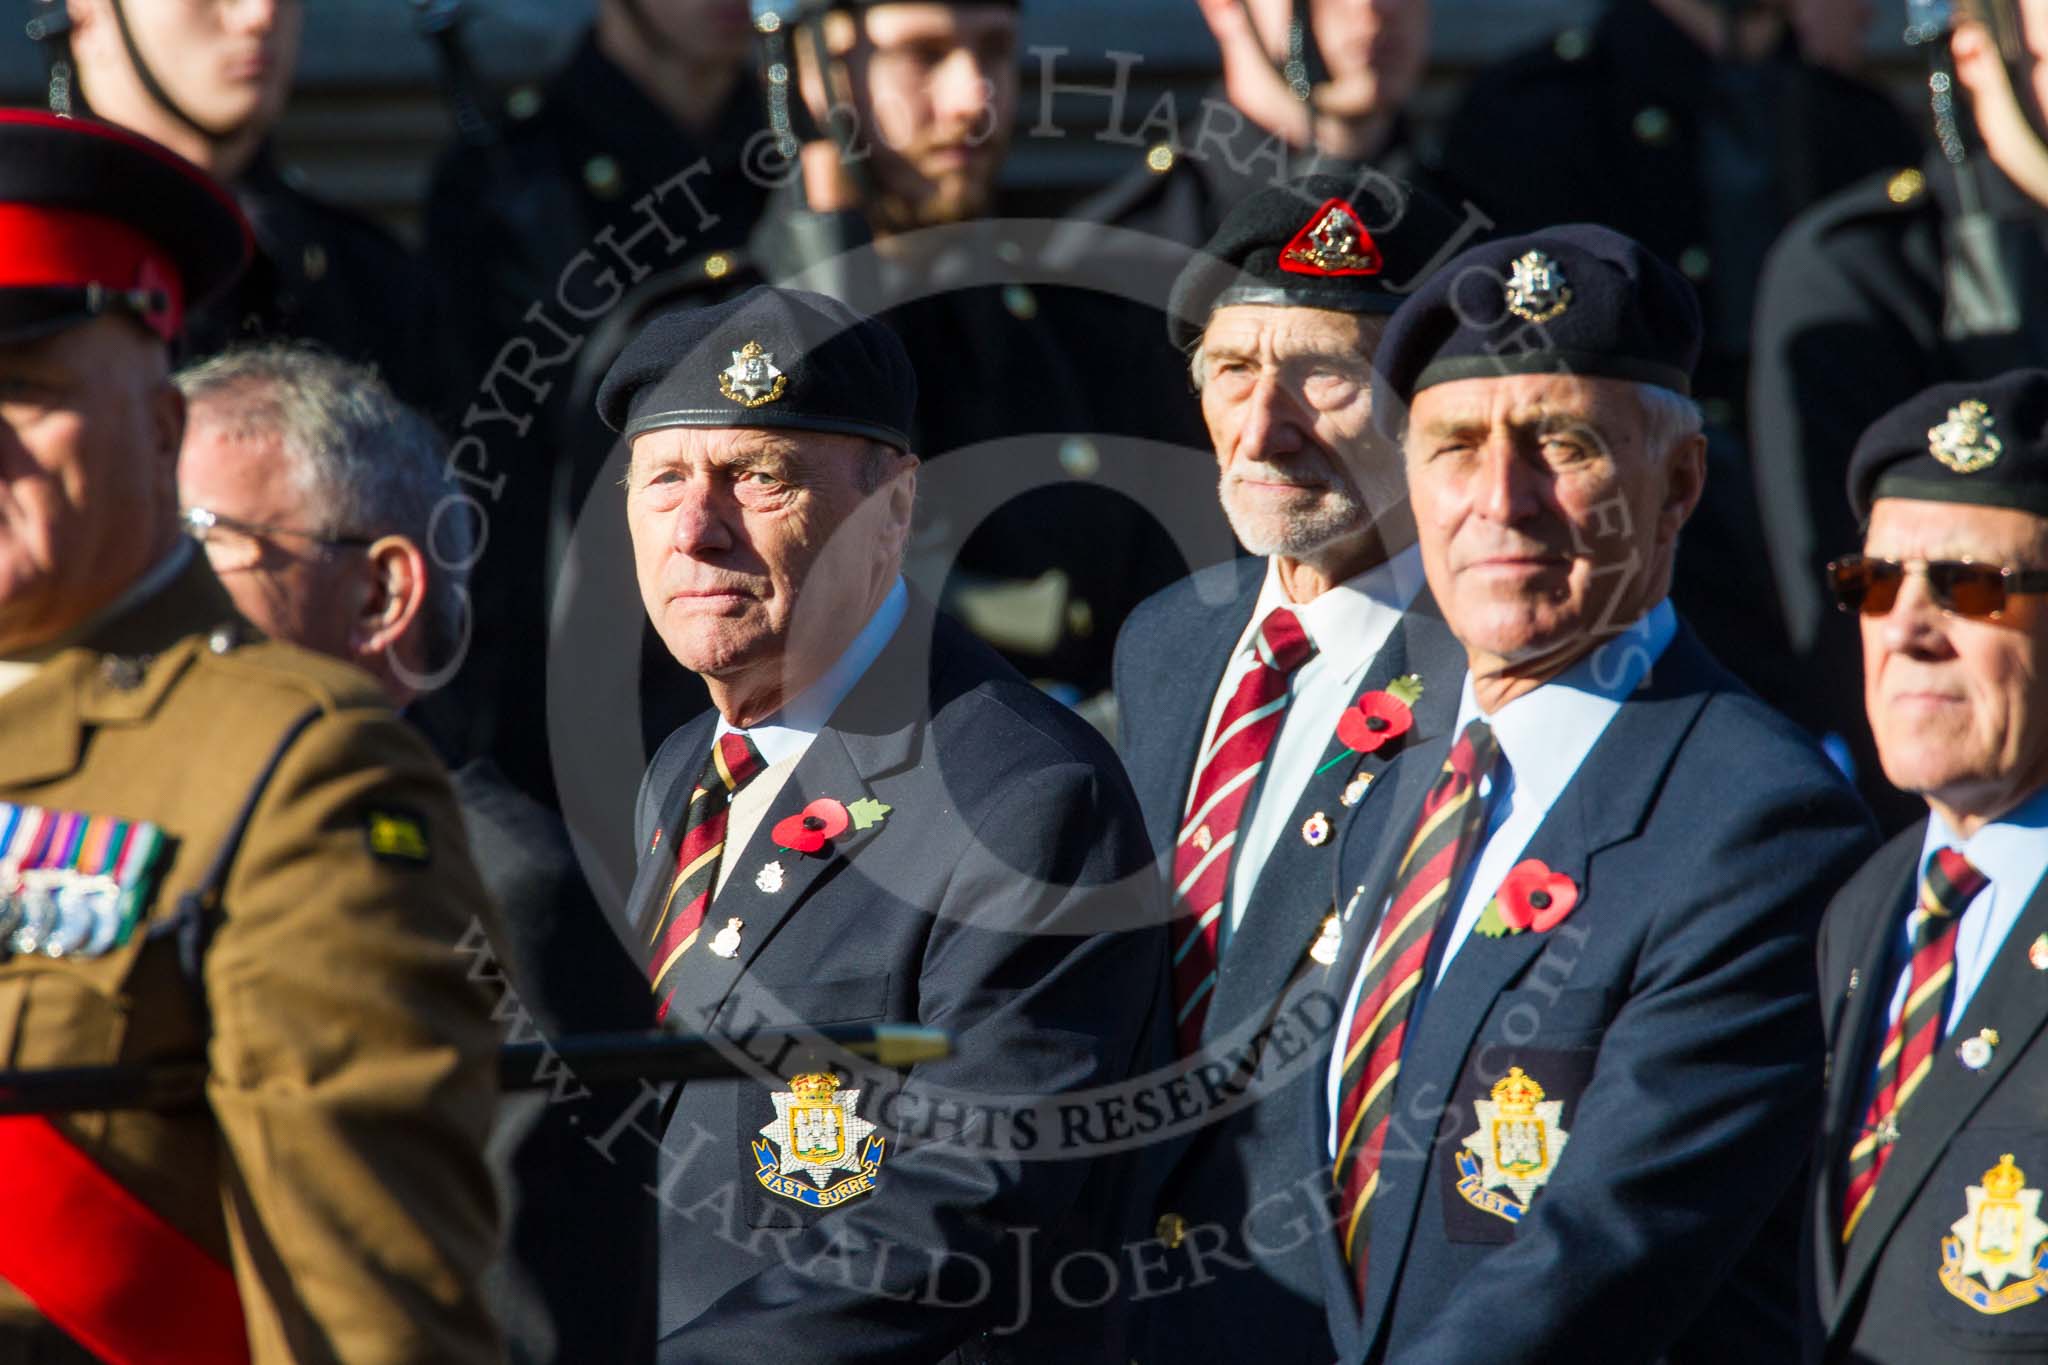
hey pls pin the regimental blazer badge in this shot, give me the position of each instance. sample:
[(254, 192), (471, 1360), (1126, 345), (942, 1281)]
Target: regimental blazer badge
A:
[(1537, 290), (820, 1136), (1998, 1240), (1515, 1149), (1965, 442), (752, 379)]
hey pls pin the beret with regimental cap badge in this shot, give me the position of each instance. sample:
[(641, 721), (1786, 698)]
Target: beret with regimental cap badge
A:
[(95, 219), (1978, 441), (1579, 299), (772, 358), (1348, 243)]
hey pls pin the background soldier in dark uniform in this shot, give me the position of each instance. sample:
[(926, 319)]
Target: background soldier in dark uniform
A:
[(1699, 128), (1306, 89), (210, 82), (653, 117), (1920, 275), (214, 849)]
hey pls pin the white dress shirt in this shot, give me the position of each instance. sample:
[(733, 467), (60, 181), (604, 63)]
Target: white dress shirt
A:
[(784, 737), (1348, 625), (1544, 735), (2012, 853)]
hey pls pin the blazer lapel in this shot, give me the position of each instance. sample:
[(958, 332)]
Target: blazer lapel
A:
[(1301, 878), (1853, 1054), (1604, 803), (2012, 999)]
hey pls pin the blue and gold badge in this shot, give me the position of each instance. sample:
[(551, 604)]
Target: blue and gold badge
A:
[(1998, 1240), (72, 884), (820, 1136), (1515, 1148)]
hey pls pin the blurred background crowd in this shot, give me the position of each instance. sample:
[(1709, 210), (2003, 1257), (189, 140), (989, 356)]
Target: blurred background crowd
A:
[(483, 198)]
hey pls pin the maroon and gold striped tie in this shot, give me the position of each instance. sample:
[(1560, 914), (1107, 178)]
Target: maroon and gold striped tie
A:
[(1442, 845), (734, 762), (1224, 778), (1947, 887)]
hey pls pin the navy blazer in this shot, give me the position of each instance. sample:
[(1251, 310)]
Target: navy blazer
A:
[(1005, 897), (1887, 1297), (1233, 1193), (1674, 1015)]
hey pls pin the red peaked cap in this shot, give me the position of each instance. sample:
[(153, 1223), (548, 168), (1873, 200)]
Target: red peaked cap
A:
[(94, 218)]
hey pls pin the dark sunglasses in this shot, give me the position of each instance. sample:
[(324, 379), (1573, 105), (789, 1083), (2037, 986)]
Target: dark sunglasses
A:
[(1979, 591)]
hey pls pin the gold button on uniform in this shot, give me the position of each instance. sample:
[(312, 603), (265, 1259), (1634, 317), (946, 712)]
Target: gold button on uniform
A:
[(1160, 159), (1905, 187), (1172, 1230)]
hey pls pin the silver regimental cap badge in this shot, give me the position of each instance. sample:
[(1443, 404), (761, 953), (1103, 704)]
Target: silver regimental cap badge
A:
[(1537, 289), (1965, 442), (752, 379)]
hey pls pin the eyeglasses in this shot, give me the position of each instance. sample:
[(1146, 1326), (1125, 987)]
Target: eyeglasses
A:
[(1976, 591), (232, 544)]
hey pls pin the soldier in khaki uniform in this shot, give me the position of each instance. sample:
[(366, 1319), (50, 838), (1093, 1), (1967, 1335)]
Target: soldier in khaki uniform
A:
[(209, 846)]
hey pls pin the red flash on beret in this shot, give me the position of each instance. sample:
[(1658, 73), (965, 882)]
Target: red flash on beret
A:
[(1333, 242), (42, 246)]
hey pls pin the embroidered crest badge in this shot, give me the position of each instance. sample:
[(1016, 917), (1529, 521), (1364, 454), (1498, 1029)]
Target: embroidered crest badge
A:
[(1999, 1239), (1965, 443), (819, 1136), (1333, 242), (1515, 1148), (752, 380), (1537, 289)]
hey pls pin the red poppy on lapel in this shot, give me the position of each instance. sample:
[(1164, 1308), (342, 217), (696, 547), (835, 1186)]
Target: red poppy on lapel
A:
[(1377, 718), (1531, 896), (810, 829)]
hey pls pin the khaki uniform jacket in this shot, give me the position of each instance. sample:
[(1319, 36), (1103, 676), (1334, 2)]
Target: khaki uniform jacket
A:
[(338, 1163)]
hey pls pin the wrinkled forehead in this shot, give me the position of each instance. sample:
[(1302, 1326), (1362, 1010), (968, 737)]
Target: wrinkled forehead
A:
[(1251, 328), (718, 446), (1919, 528), (1609, 406)]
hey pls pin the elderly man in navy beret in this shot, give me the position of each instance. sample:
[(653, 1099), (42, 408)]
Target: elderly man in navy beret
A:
[(1579, 1055), (880, 820), (1928, 1243), (1247, 699)]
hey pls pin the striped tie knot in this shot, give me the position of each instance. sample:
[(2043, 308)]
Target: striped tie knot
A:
[(1282, 644), (735, 761), (1470, 758), (1949, 884)]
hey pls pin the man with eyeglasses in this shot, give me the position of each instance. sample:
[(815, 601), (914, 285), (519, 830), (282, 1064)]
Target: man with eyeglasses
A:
[(1928, 1240), (325, 508), (213, 849)]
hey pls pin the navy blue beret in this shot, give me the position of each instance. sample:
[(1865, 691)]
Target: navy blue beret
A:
[(779, 358), (1980, 441), (1579, 299), (1352, 244)]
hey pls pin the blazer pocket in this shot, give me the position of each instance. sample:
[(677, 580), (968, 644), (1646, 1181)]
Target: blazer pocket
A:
[(1522, 1017)]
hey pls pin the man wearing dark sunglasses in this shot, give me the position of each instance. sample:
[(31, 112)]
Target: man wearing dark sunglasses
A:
[(1927, 1238)]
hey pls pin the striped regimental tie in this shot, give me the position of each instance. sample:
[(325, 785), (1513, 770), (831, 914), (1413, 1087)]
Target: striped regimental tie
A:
[(1224, 778), (1445, 839), (734, 762), (1946, 888)]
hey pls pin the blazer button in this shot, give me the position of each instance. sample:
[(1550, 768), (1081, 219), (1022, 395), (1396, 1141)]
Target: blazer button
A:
[(1172, 1229)]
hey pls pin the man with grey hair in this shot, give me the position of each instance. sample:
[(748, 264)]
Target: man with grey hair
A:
[(324, 507), (1259, 699), (1578, 1053)]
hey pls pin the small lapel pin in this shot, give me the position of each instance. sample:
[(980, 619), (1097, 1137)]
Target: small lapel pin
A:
[(1357, 895), (1975, 1053), (727, 942), (2037, 953), (1855, 980), (1354, 790), (1315, 831), (768, 880), (1324, 950)]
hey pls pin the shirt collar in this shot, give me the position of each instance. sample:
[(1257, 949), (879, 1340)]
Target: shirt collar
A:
[(2011, 851), (790, 730), (1337, 620), (1546, 732)]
